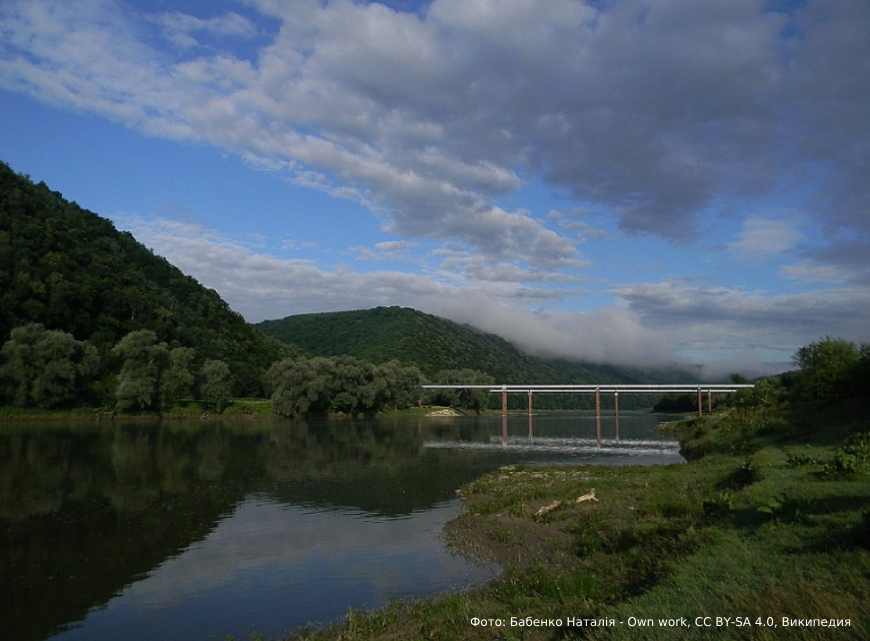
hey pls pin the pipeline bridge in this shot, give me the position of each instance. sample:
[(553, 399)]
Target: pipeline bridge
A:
[(605, 388)]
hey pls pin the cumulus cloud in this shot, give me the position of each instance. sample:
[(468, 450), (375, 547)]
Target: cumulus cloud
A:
[(653, 110), (262, 286)]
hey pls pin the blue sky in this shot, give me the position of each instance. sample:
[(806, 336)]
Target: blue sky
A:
[(626, 182)]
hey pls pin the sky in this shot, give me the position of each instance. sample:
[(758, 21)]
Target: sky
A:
[(632, 182)]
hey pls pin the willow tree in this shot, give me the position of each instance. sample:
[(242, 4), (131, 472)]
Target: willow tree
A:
[(177, 381), (144, 362), (47, 368), (217, 383)]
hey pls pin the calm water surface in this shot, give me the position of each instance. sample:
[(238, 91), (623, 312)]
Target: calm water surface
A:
[(196, 531)]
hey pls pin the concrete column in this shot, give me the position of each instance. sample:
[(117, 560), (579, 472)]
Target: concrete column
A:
[(616, 412), (598, 415), (700, 404)]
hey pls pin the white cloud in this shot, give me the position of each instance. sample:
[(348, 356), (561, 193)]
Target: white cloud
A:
[(384, 250), (427, 118), (761, 237), (261, 286), (812, 271), (654, 324), (179, 28), (747, 325), (431, 120)]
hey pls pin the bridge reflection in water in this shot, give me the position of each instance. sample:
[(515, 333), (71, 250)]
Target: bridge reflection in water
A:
[(567, 445)]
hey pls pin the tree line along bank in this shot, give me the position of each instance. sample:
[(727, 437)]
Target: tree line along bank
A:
[(51, 369)]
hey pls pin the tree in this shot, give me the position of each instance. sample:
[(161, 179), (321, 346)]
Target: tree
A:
[(827, 368), (401, 384), (177, 382), (217, 386), (300, 386), (144, 362), (472, 399), (20, 367), (343, 384), (47, 368)]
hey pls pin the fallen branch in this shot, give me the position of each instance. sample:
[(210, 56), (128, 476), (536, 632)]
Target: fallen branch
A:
[(589, 496)]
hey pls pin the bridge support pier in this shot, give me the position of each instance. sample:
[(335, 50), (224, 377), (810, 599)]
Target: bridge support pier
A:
[(504, 403), (616, 412), (709, 401), (598, 415), (700, 404)]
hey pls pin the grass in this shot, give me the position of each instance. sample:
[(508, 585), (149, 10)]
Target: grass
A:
[(758, 524)]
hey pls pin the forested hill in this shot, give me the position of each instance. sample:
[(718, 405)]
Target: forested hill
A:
[(70, 269), (433, 344)]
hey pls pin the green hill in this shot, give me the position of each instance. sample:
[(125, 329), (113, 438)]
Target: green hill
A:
[(70, 269), (433, 343)]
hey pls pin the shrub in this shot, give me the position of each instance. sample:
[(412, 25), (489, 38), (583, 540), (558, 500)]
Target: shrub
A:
[(852, 458), (828, 368)]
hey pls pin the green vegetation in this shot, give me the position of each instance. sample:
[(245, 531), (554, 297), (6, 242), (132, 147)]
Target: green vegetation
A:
[(770, 518), (347, 385), (144, 361), (462, 398), (177, 382), (46, 368), (216, 385), (676, 403), (71, 270), (833, 368)]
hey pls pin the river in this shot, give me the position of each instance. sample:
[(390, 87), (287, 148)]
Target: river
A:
[(194, 531)]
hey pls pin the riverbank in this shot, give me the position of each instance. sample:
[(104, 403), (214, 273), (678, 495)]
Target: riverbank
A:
[(769, 521), (243, 407), (237, 408)]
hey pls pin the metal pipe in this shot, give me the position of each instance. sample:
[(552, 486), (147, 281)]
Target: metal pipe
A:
[(609, 389), (592, 386)]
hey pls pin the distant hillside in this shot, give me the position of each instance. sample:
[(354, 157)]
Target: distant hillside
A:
[(434, 343), (70, 269)]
